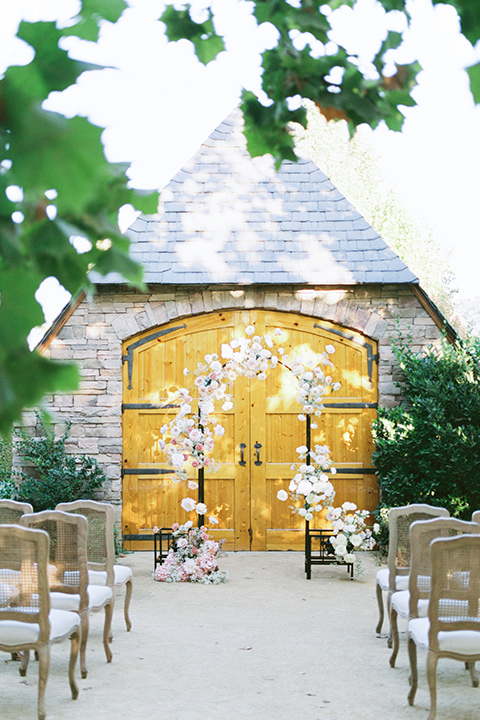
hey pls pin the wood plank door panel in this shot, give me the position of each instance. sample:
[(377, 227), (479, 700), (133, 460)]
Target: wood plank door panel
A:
[(265, 414)]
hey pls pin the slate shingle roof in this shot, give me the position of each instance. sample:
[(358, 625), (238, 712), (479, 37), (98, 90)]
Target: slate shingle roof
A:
[(226, 218)]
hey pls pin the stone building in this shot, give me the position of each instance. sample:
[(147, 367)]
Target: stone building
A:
[(236, 242)]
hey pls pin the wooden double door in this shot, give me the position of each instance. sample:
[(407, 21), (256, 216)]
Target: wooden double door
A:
[(262, 431)]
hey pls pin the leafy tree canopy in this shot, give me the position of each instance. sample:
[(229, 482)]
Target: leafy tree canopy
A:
[(55, 184), (304, 62)]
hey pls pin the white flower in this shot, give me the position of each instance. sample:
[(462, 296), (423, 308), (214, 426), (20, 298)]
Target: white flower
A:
[(201, 508), (356, 541), (188, 524), (188, 504), (227, 406), (227, 351), (302, 449), (277, 331), (213, 520), (349, 558), (340, 539), (219, 430), (192, 485), (376, 528), (282, 495), (302, 418), (336, 386), (261, 376), (330, 349), (249, 330), (308, 516), (302, 512), (340, 551), (349, 506)]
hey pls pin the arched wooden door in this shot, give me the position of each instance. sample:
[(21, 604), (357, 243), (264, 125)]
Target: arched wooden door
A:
[(264, 420)]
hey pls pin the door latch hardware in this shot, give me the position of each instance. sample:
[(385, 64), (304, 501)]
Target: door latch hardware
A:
[(257, 447), (242, 462)]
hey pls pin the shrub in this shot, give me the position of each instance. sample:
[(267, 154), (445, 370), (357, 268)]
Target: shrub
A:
[(429, 449), (57, 477), (7, 486)]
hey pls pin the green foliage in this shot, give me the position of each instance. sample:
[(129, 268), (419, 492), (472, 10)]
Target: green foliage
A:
[(429, 450), (7, 486), (56, 476), (43, 152), (289, 71)]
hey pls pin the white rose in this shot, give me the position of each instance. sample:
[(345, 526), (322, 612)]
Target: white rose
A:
[(356, 541), (302, 512), (201, 508), (249, 330), (219, 430), (330, 349), (349, 558), (308, 516), (376, 528), (340, 551), (188, 504), (282, 495), (302, 449)]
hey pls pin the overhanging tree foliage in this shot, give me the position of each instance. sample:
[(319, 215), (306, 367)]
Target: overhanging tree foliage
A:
[(61, 169), (429, 450), (288, 71)]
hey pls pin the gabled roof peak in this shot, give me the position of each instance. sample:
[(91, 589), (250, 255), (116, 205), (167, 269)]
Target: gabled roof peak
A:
[(227, 218)]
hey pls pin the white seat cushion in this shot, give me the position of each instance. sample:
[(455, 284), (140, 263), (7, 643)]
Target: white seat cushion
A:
[(383, 575), (97, 577), (62, 624), (401, 602), (14, 632), (98, 597), (121, 574), (463, 642)]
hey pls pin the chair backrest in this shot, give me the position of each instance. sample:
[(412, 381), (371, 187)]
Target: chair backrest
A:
[(455, 594), (476, 516), (11, 511), (24, 594), (399, 521), (67, 570), (100, 538), (422, 533)]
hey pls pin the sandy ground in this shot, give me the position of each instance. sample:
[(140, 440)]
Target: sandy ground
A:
[(267, 644)]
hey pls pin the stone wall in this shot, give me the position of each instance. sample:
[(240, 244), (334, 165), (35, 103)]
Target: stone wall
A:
[(92, 336)]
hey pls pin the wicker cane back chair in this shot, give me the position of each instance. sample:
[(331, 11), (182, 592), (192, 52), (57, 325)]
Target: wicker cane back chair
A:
[(452, 628), (11, 511), (69, 588), (413, 602), (26, 620), (101, 548), (395, 576)]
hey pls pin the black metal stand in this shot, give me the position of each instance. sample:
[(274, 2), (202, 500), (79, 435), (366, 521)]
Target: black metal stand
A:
[(321, 554), (162, 541)]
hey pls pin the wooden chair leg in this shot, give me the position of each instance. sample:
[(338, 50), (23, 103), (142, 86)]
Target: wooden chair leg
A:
[(473, 674), (24, 657), (74, 648), (106, 631), (389, 609), (126, 606), (395, 636), (381, 612), (43, 670), (432, 661), (83, 644), (412, 654)]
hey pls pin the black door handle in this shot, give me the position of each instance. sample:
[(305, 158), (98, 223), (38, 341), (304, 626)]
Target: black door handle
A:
[(257, 447), (242, 448)]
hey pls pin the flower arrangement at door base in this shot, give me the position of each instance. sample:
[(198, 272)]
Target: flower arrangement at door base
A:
[(350, 534), (192, 557)]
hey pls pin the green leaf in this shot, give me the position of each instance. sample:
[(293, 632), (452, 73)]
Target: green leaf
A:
[(474, 75), (91, 15), (19, 311), (179, 25), (25, 378)]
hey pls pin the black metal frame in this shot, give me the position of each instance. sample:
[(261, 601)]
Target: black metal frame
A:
[(321, 555), (162, 541)]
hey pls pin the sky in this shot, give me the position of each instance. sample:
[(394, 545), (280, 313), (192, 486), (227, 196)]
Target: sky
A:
[(157, 104)]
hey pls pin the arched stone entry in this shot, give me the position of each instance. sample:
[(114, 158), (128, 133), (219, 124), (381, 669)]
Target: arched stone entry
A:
[(262, 431)]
